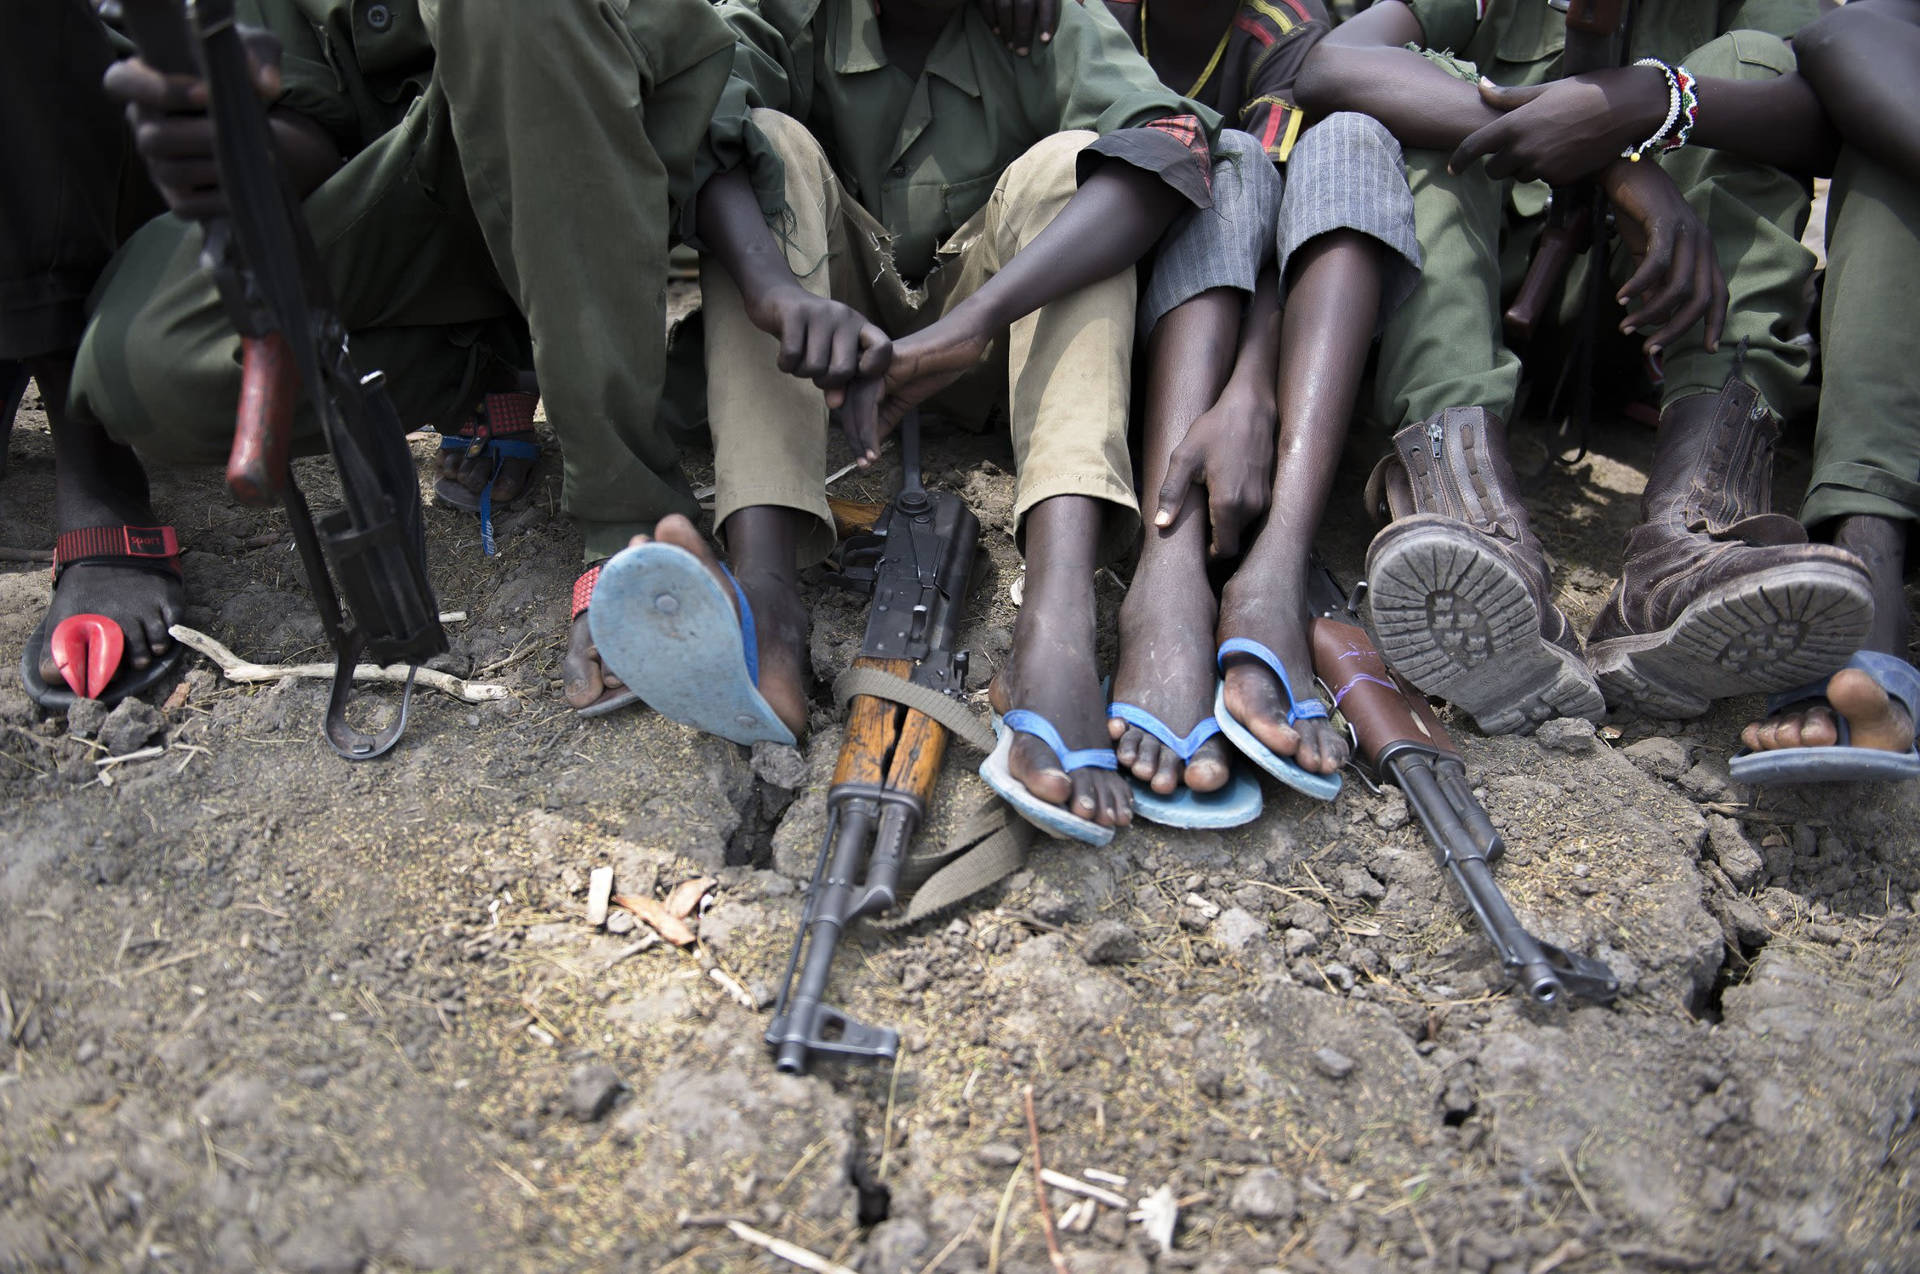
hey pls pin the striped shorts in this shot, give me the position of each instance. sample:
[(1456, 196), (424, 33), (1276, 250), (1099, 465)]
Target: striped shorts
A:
[(1344, 173)]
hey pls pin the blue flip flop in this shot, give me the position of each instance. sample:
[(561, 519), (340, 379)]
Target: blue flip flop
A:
[(1840, 762), (1320, 786), (1054, 820), (1237, 803), (666, 627)]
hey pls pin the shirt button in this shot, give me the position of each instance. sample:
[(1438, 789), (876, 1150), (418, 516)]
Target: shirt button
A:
[(379, 17)]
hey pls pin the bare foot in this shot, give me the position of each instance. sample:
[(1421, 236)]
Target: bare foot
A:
[(1052, 670), (1873, 719), (1166, 667), (97, 482), (1255, 605), (765, 539)]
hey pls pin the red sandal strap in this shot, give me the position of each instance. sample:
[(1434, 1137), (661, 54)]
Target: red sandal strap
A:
[(499, 415), (583, 590), (153, 546)]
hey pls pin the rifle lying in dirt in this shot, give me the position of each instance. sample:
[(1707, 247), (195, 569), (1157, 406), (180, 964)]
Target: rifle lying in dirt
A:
[(1400, 741), (268, 271), (903, 691)]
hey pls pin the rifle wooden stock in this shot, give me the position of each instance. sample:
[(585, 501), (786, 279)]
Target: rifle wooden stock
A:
[(1539, 292), (871, 724), (263, 425), (1381, 708)]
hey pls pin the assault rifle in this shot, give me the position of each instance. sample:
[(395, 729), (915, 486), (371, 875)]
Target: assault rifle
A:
[(916, 564), (262, 257), (1400, 741), (1576, 224)]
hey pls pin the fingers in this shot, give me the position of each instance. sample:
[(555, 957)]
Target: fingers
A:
[(1481, 141), (1502, 98), (133, 82), (1048, 20), (1230, 513), (876, 352), (1694, 296), (860, 419), (1655, 267), (1671, 287), (263, 58), (1183, 467), (1022, 32)]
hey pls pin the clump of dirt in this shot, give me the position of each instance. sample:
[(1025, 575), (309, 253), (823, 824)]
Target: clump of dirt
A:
[(262, 1009)]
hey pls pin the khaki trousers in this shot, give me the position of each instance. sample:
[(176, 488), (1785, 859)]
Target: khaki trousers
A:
[(1063, 371)]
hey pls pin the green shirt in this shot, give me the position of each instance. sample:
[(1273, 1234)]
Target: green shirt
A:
[(1520, 41), (922, 154), (352, 66)]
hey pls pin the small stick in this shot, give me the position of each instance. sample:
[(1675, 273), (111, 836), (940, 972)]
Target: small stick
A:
[(1040, 1189), (144, 754), (1000, 1217), (789, 1252), (234, 668), (1073, 1185)]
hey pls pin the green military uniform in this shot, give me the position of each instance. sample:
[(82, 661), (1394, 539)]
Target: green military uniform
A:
[(1445, 348), (504, 160), (1866, 456)]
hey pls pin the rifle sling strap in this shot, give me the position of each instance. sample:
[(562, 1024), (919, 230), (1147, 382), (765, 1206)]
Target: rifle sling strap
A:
[(988, 847), (945, 709)]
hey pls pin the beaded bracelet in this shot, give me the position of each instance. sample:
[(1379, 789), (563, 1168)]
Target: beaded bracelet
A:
[(1689, 107), (1674, 103)]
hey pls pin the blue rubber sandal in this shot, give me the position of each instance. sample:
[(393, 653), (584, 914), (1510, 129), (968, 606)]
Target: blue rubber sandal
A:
[(1840, 762), (664, 625), (1052, 819), (1320, 786), (1237, 803)]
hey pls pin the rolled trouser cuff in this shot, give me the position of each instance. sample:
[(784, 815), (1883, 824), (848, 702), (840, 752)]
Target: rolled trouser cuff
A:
[(1347, 173), (1857, 490), (1224, 246)]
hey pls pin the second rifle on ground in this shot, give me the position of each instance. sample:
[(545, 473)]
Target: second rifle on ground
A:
[(1401, 742)]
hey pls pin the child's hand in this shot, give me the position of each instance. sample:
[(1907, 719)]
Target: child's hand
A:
[(1022, 22), (822, 340), (1228, 450), (1677, 281), (1566, 129)]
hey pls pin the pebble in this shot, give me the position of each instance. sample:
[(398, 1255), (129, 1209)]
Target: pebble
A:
[(998, 1154), (599, 896), (1237, 928), (1264, 1195), (1736, 855), (591, 1091), (1358, 882), (621, 922), (85, 717), (1298, 942), (780, 766), (1391, 814), (1661, 757), (1110, 942), (1566, 734), (131, 726), (1332, 1063)]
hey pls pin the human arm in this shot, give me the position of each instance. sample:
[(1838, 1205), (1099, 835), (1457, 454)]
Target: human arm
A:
[(1568, 128), (174, 133), (821, 339), (1366, 66), (1860, 60), (1229, 448)]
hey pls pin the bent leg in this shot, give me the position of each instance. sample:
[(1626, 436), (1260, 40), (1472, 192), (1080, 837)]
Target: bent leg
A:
[(1069, 373)]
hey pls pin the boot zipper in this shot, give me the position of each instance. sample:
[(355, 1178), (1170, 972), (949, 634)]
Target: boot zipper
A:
[(1443, 471)]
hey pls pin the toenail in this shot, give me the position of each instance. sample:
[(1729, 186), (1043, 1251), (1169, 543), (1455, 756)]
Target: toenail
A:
[(666, 603)]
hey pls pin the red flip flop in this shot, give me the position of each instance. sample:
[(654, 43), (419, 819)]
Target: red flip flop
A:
[(613, 698), (88, 649)]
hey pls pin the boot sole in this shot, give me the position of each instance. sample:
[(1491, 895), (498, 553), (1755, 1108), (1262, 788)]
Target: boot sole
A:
[(1459, 623), (1788, 626)]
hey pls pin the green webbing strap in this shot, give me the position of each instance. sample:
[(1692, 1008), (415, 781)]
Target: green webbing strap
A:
[(993, 842), (948, 711)]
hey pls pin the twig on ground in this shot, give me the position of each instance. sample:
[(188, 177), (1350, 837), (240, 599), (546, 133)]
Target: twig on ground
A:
[(1040, 1187), (792, 1253), (952, 1243), (1000, 1216), (886, 1124), (647, 940), (1073, 1185), (144, 754), (234, 668)]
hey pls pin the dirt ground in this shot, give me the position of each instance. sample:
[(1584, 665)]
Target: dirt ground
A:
[(263, 1009)]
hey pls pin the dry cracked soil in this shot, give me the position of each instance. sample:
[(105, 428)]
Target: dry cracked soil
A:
[(263, 1009)]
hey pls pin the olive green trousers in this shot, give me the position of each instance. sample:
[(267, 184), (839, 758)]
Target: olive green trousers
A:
[(1866, 454), (474, 223), (1445, 348)]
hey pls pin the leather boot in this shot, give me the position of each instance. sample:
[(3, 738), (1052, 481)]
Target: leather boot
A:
[(1457, 587), (1718, 594)]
